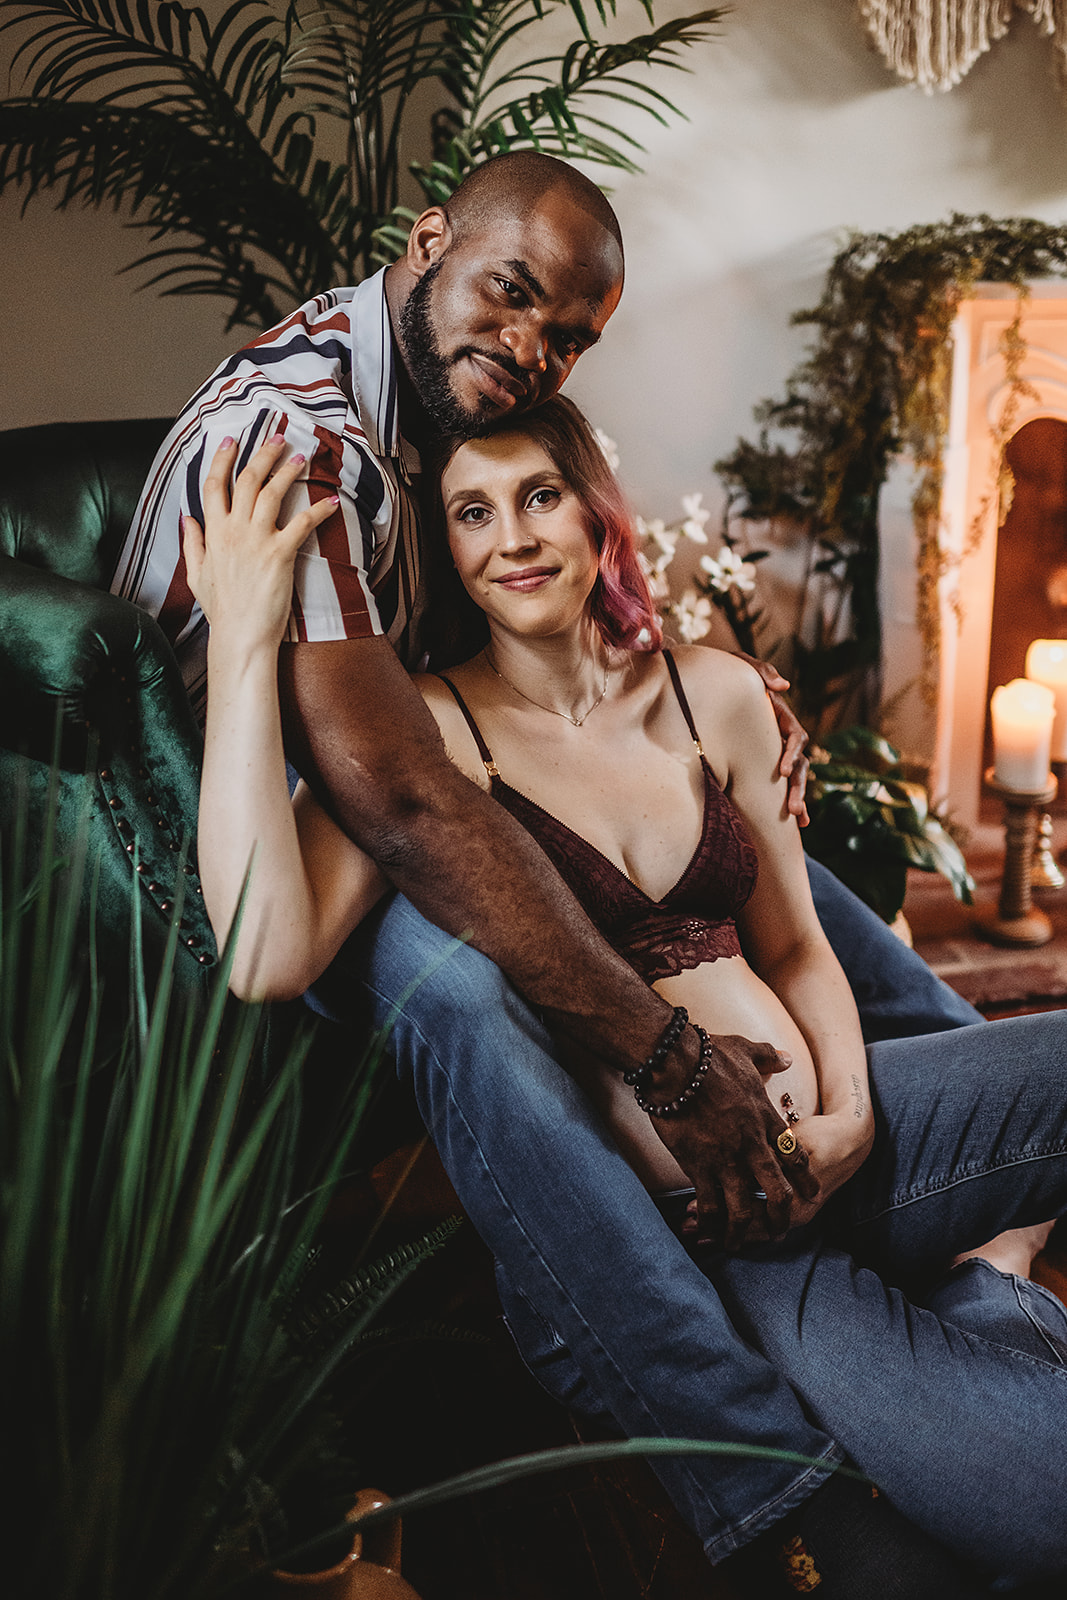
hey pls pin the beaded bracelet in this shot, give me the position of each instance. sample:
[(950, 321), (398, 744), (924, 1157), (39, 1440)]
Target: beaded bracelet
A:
[(667, 1041), (670, 1108)]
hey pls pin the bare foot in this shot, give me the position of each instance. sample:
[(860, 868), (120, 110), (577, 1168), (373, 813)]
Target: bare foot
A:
[(1013, 1251)]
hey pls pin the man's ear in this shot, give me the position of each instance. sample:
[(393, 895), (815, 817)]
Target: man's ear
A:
[(428, 240)]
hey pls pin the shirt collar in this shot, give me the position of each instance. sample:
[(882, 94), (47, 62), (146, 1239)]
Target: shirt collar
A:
[(374, 369)]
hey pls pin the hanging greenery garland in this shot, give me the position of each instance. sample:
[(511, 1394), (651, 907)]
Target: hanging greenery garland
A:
[(875, 384)]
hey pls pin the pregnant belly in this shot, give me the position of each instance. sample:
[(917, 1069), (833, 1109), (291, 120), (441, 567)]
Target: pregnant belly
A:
[(724, 997)]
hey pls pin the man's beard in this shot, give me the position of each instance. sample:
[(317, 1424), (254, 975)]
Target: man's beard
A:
[(430, 370)]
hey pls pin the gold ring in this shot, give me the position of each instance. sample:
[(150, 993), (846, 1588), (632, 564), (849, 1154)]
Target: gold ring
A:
[(786, 1141)]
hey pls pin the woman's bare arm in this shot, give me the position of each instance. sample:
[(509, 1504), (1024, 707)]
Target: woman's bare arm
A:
[(780, 931), (308, 885)]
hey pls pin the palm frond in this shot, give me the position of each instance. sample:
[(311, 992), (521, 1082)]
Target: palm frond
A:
[(552, 115), (210, 132), (217, 186)]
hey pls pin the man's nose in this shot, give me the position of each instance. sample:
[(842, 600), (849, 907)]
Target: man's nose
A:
[(526, 345)]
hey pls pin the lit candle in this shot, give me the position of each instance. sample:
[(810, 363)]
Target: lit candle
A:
[(1022, 733), (1046, 662)]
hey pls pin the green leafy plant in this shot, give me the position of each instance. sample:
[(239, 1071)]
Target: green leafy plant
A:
[(267, 150), (874, 384), (869, 824), (158, 1215), (166, 1342)]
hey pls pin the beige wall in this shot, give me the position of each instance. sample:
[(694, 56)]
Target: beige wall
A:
[(796, 132)]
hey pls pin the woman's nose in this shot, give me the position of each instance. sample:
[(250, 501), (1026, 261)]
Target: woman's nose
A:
[(515, 533)]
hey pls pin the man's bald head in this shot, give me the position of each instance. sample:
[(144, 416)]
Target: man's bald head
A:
[(516, 183)]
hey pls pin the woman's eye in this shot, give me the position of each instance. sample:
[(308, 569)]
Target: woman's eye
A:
[(473, 515), (544, 497)]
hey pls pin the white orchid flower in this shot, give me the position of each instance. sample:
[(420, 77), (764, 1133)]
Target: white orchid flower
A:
[(658, 586), (664, 542), (696, 514), (610, 449), (693, 615), (728, 571)]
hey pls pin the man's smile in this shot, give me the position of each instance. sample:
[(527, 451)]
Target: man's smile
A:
[(496, 383)]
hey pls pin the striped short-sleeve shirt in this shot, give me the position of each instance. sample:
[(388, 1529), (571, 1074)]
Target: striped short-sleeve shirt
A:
[(326, 378)]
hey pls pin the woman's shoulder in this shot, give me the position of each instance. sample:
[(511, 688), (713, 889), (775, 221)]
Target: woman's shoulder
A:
[(716, 678), (730, 707), (435, 690), (454, 727)]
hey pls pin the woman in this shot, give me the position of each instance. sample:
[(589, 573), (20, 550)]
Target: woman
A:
[(651, 779)]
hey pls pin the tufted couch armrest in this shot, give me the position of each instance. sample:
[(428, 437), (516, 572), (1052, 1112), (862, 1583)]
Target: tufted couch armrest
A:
[(92, 672), (68, 492)]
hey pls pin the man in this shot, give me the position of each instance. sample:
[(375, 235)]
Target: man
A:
[(495, 299)]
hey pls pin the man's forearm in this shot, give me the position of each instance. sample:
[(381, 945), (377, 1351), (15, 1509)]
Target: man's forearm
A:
[(358, 730), (474, 871)]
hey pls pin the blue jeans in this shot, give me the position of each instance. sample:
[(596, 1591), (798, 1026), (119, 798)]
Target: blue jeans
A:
[(614, 1315), (897, 994)]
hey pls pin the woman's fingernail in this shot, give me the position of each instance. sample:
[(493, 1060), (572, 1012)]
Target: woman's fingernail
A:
[(276, 438), (226, 443), (335, 499)]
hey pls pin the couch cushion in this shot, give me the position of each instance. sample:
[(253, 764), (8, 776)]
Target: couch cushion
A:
[(68, 491)]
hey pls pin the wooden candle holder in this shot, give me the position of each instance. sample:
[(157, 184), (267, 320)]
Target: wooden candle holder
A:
[(1017, 921)]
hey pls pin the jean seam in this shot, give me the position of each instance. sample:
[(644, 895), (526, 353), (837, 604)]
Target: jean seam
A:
[(1058, 1364), (909, 1197), (774, 1510)]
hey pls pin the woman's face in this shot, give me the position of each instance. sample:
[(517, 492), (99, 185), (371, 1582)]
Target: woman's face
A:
[(517, 535)]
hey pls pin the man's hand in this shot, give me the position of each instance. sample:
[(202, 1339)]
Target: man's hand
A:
[(725, 1141), (794, 763)]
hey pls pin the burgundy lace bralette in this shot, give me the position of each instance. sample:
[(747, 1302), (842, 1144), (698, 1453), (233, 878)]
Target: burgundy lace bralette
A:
[(694, 921)]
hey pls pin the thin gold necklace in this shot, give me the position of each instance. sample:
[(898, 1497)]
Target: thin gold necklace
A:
[(575, 722)]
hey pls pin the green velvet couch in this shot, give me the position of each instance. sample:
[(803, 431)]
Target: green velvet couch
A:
[(93, 675), (87, 670)]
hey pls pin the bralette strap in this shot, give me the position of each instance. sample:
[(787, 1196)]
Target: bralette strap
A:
[(672, 668), (483, 749)]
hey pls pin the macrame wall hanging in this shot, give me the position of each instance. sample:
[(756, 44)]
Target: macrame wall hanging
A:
[(936, 42)]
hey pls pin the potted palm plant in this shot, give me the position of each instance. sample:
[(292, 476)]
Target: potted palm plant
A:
[(265, 153)]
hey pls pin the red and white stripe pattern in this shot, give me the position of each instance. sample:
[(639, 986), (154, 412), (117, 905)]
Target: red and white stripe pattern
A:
[(326, 378)]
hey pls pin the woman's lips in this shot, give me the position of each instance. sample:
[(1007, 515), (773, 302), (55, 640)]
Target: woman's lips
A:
[(528, 579), (497, 385)]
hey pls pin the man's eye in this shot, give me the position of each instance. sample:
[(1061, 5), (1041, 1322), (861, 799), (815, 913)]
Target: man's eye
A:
[(512, 290), (568, 347)]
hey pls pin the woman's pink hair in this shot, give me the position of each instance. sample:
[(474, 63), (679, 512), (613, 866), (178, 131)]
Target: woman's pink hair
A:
[(621, 604)]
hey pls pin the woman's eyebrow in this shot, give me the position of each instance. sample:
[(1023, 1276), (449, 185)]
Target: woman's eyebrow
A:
[(551, 478)]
